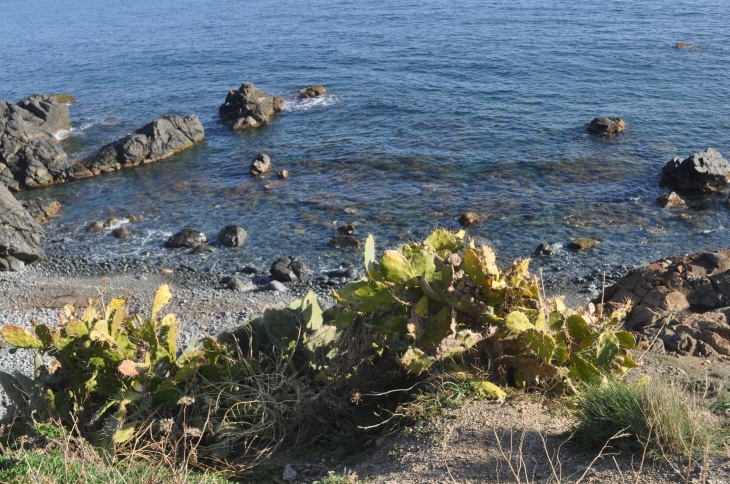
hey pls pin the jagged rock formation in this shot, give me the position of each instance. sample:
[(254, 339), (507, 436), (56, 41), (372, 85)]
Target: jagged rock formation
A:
[(683, 295), (154, 141), (20, 235), (248, 107), (41, 209), (30, 156), (704, 171)]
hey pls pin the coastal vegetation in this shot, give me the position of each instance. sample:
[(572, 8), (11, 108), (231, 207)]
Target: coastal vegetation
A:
[(437, 318)]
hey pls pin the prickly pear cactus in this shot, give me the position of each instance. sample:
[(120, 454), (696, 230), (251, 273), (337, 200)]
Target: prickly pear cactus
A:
[(433, 301)]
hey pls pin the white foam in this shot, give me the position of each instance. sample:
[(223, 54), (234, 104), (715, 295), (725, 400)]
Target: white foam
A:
[(62, 134), (314, 102)]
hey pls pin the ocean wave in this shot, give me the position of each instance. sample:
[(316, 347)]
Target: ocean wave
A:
[(315, 102)]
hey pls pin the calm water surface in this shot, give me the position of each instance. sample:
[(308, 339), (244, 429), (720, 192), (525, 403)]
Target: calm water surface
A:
[(433, 108)]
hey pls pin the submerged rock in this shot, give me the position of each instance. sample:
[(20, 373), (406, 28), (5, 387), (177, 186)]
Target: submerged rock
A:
[(122, 233), (152, 142), (582, 243), (41, 209), (346, 229), (20, 235), (670, 200), (469, 218), (603, 126), (289, 269), (704, 171), (260, 165), (344, 241), (312, 91), (544, 249), (248, 101), (682, 45), (188, 238), (232, 236)]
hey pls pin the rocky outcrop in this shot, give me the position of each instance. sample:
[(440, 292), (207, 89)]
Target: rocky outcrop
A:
[(312, 91), (152, 142), (704, 171), (682, 295), (30, 156), (52, 114), (249, 102), (603, 126), (41, 209), (188, 238), (20, 235), (289, 269)]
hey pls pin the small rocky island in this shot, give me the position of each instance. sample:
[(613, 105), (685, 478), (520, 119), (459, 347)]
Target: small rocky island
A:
[(248, 107)]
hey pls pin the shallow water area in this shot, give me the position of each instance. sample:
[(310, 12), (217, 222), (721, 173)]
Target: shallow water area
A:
[(432, 109)]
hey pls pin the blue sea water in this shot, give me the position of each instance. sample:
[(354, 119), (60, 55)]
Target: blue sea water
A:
[(432, 108)]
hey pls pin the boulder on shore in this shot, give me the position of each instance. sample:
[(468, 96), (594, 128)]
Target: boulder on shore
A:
[(248, 101), (679, 295), (154, 141), (289, 269), (603, 126), (30, 156), (703, 171), (20, 235), (188, 238)]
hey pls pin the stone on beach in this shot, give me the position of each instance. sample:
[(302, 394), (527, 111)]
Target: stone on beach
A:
[(289, 269), (248, 102)]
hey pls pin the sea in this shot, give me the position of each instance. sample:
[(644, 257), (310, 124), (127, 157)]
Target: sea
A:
[(433, 108)]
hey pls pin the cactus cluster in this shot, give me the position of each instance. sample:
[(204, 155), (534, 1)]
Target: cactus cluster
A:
[(433, 301), (118, 376)]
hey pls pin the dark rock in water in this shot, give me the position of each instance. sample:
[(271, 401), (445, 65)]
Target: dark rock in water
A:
[(312, 91), (188, 238), (289, 269), (469, 218), (248, 101), (245, 123), (544, 249), (249, 270), (202, 249), (345, 242), (154, 141), (30, 156), (122, 233), (347, 229), (682, 45), (670, 200), (53, 114), (260, 165), (283, 175), (41, 209), (97, 226), (232, 236), (20, 235), (583, 243), (702, 172), (603, 126)]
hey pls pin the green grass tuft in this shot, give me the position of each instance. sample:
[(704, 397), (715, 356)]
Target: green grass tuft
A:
[(652, 414)]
